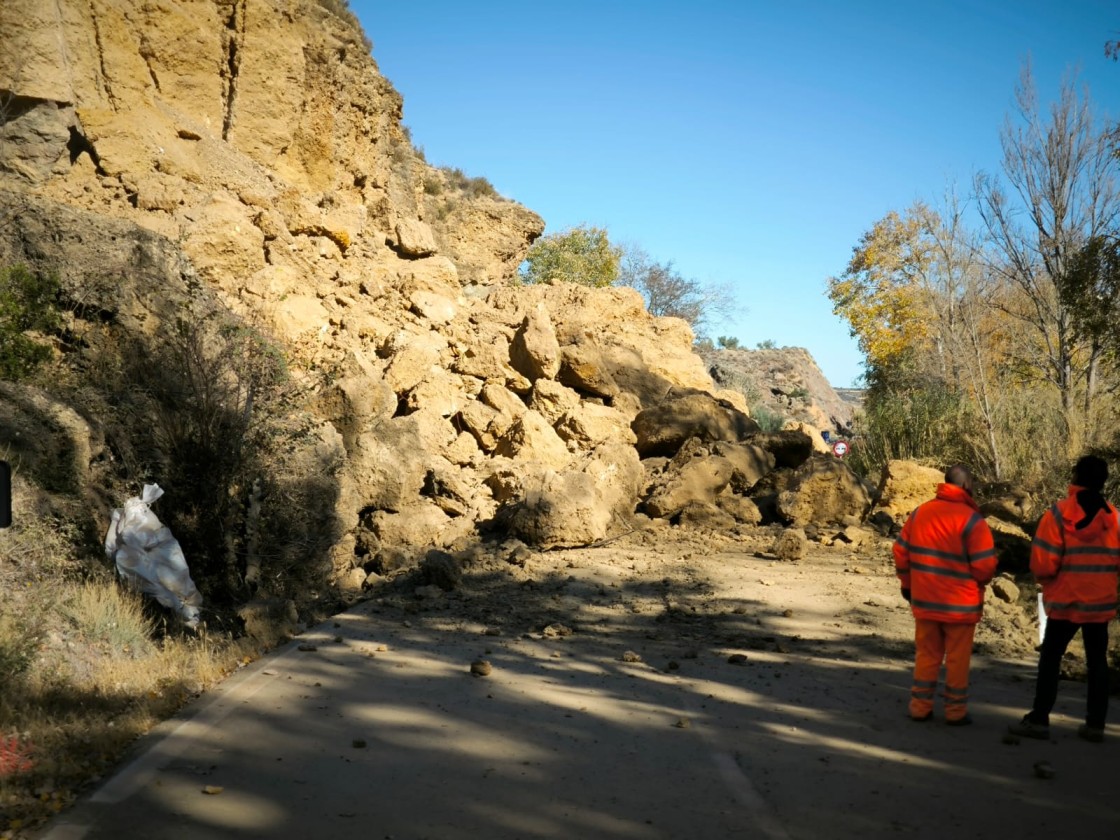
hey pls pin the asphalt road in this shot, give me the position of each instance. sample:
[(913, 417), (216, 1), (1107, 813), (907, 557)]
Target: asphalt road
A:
[(381, 731)]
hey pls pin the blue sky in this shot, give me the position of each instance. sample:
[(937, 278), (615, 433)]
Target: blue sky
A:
[(750, 143)]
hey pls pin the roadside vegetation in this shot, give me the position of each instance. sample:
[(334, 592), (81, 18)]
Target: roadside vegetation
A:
[(988, 321), (87, 664), (87, 667)]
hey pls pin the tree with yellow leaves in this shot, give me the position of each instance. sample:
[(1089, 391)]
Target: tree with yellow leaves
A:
[(880, 294)]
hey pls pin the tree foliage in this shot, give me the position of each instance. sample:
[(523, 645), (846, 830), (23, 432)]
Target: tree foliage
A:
[(581, 255), (1058, 192), (997, 344), (879, 294)]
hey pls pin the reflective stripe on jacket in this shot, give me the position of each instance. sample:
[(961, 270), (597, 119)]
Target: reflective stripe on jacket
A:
[(1078, 568), (944, 556)]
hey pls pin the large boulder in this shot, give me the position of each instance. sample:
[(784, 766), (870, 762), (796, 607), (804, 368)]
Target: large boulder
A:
[(589, 424), (534, 351), (823, 490), (696, 480), (663, 429), (576, 506), (531, 438), (582, 367), (750, 461), (903, 485)]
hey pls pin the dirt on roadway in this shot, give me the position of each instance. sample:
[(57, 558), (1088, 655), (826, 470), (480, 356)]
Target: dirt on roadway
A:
[(665, 685)]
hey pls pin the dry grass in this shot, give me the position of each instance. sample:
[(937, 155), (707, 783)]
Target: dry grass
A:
[(87, 667)]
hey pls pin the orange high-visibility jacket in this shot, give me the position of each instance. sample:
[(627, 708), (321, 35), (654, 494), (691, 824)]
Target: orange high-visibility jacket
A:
[(1077, 567), (945, 555)]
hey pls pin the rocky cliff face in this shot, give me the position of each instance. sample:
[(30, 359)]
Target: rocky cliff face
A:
[(784, 381), (222, 183)]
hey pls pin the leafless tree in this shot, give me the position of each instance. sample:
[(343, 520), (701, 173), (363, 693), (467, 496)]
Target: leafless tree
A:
[(1061, 191), (669, 293)]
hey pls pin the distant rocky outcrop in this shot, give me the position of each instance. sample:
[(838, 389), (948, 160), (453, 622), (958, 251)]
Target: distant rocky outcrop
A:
[(784, 382), (186, 166)]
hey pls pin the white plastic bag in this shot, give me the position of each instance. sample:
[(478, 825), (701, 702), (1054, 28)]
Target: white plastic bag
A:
[(149, 558)]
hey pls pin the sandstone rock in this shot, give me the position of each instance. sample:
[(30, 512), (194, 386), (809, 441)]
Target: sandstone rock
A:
[(589, 424), (502, 400), (438, 391), (740, 508), (707, 516), (484, 423), (384, 467), (552, 400), (534, 351), (441, 569), (433, 307), (824, 490), (413, 359), (855, 535), (811, 432), (1005, 589), (1011, 504), (790, 448), (575, 507), (750, 463), (791, 544), (663, 429), (420, 524), (414, 238), (582, 368), (904, 485), (697, 480), (353, 402), (531, 438)]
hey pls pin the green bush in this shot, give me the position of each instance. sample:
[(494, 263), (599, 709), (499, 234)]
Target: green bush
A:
[(473, 187), (581, 255), (28, 303), (22, 630), (768, 420)]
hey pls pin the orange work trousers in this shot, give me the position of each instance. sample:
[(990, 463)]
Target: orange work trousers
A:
[(935, 641)]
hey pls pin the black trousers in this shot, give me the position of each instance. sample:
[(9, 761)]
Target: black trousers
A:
[(1059, 634)]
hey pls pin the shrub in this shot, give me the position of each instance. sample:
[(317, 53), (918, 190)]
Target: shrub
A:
[(28, 302), (728, 342), (108, 616), (767, 419), (22, 630), (581, 255), (473, 187)]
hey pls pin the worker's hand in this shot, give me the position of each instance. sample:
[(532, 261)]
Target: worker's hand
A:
[(905, 594)]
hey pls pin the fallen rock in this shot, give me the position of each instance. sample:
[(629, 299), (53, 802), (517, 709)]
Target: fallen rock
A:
[(791, 544)]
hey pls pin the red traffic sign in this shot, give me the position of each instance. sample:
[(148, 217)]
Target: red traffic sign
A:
[(840, 448)]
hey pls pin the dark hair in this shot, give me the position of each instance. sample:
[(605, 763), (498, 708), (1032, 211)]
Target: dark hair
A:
[(1090, 472), (960, 476)]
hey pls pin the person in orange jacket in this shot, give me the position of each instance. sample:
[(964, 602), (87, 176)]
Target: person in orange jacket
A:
[(1075, 556), (944, 558)]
